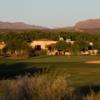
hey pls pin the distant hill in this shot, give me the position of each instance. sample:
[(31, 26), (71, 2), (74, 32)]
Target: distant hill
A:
[(18, 26), (91, 25)]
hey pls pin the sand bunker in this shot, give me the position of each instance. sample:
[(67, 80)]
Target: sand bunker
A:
[(94, 62)]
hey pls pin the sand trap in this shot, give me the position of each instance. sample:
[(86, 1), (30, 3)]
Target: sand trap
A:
[(94, 62)]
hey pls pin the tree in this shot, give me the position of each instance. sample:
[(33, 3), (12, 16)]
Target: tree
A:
[(83, 45), (15, 44), (75, 49), (62, 46)]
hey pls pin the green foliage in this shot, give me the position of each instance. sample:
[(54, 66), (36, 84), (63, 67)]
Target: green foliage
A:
[(21, 40), (83, 45), (75, 49), (15, 44), (62, 46), (97, 43)]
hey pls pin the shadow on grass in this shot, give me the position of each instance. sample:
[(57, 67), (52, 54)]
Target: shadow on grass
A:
[(83, 91), (10, 71)]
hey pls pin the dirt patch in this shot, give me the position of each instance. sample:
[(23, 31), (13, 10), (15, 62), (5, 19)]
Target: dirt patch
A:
[(93, 62)]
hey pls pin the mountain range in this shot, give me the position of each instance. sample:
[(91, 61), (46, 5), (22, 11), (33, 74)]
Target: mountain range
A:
[(90, 25), (18, 26)]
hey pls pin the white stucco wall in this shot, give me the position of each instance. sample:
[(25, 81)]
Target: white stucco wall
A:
[(43, 43)]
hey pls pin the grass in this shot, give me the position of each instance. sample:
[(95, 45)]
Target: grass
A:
[(53, 59), (37, 88), (73, 68), (80, 72)]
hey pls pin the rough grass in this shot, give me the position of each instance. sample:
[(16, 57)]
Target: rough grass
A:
[(41, 87)]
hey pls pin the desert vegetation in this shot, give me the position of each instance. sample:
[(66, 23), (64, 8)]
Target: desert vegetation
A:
[(37, 88)]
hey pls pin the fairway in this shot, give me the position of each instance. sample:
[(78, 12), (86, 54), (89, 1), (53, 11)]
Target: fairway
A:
[(51, 59), (63, 59), (80, 72)]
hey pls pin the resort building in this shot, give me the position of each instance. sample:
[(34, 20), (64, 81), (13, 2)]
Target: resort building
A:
[(42, 44), (2, 45)]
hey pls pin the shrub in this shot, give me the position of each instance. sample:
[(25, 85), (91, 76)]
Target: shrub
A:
[(42, 87)]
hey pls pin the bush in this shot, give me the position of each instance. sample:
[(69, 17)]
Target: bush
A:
[(42, 87)]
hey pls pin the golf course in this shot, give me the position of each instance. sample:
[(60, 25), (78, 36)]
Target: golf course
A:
[(80, 71)]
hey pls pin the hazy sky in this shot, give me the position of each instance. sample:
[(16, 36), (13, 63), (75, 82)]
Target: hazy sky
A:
[(50, 13)]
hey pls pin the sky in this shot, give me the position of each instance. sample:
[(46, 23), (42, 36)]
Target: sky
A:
[(49, 13)]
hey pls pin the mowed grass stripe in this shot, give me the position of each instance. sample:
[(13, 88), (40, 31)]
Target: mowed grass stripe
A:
[(74, 66)]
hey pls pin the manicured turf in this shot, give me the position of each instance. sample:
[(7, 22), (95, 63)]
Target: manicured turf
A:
[(53, 59), (73, 67)]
